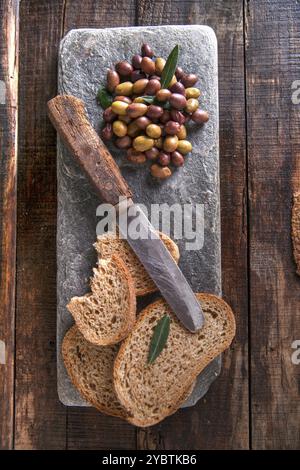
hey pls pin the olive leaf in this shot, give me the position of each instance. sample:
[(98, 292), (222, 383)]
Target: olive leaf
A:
[(148, 99), (169, 68), (159, 338), (104, 98)]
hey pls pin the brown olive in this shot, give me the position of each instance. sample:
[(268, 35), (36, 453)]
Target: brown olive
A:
[(163, 94), (172, 127), (148, 65), (152, 87), (119, 128), (135, 156), (170, 143), (177, 116), (179, 73), (124, 68), (178, 88), (123, 118), (142, 122), (181, 134), (113, 80), (184, 146), (154, 112), (154, 77), (165, 117), (177, 101), (107, 132), (152, 154), (143, 143), (158, 143), (191, 105), (177, 159), (153, 131), (126, 99), (160, 172), (164, 158), (139, 86), (159, 65), (109, 115), (136, 75), (133, 130), (136, 61), (200, 116), (147, 50), (136, 110), (123, 142), (189, 80)]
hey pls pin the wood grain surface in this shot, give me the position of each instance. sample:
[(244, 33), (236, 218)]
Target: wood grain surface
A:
[(255, 403)]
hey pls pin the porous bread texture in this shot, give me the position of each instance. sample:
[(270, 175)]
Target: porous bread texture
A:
[(110, 243), (107, 314), (150, 393), (90, 369)]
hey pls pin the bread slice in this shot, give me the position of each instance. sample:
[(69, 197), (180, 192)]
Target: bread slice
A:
[(107, 314), (150, 393), (90, 369), (110, 243)]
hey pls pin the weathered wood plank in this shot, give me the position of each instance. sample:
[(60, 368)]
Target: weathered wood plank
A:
[(9, 40), (273, 63), (40, 421), (87, 428), (221, 419)]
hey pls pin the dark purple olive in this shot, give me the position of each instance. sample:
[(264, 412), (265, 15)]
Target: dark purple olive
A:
[(136, 75), (154, 77), (136, 61), (172, 127), (177, 101), (178, 88), (152, 87), (107, 132), (199, 116), (147, 50), (154, 112), (189, 80), (124, 142), (165, 117), (152, 154), (109, 115), (179, 73), (177, 116), (177, 159), (164, 158), (124, 68), (142, 122)]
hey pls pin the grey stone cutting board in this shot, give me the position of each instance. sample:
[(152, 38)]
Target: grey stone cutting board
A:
[(85, 55)]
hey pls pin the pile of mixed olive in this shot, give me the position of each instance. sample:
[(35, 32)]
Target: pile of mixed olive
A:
[(148, 103)]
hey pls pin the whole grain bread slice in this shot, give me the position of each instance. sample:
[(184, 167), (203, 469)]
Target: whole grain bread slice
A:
[(110, 243), (90, 369), (107, 314), (150, 393)]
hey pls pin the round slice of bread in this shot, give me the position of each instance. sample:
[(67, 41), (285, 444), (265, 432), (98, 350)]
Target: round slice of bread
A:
[(110, 243), (107, 314), (151, 392), (90, 369)]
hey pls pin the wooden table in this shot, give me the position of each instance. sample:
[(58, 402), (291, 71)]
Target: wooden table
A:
[(255, 403)]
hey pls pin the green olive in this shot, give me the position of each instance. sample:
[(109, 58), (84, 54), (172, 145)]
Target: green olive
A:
[(153, 131), (119, 128), (181, 134), (139, 86), (119, 107), (159, 65), (191, 105), (158, 143), (143, 143), (184, 147), (170, 143), (136, 110), (124, 88), (192, 93)]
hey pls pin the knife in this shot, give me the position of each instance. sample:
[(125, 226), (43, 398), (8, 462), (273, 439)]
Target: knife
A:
[(68, 115)]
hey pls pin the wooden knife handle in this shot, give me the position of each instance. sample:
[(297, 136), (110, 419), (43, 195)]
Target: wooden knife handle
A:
[(69, 118)]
